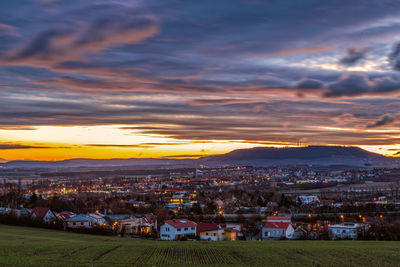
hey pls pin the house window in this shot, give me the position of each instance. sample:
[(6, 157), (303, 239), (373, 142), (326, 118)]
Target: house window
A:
[(186, 228), (167, 229), (215, 234), (179, 229), (192, 228), (81, 223), (73, 223)]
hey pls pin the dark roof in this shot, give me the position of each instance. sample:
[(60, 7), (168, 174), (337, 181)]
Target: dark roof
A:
[(80, 218), (117, 217)]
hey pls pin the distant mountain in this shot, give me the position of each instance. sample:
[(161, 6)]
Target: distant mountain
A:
[(76, 163), (259, 156), (315, 155)]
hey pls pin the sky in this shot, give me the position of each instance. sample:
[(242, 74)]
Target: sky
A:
[(156, 78)]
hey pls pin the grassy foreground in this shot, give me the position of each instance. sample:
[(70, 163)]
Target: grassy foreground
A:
[(20, 246)]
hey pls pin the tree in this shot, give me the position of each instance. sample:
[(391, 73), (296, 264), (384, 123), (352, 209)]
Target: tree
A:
[(33, 198), (260, 201), (211, 208), (196, 209), (285, 202), (161, 214)]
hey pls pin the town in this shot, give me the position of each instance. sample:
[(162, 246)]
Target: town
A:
[(226, 203)]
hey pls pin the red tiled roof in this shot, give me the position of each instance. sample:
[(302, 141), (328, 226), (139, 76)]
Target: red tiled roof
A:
[(276, 218), (64, 216), (181, 223), (40, 212), (202, 227), (151, 218), (98, 214), (281, 225)]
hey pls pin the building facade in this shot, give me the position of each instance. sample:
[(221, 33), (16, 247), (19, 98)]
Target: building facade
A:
[(175, 229)]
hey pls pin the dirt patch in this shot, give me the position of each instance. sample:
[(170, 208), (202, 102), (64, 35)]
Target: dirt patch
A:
[(75, 251), (106, 252)]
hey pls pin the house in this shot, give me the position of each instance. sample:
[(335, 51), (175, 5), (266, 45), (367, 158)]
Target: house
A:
[(235, 226), (277, 227), (98, 218), (134, 203), (231, 234), (175, 229), (129, 226), (210, 231), (307, 200), (44, 214), (24, 212), (80, 221), (16, 212), (137, 224), (64, 215), (5, 210), (114, 219), (345, 231), (305, 231), (178, 202), (151, 221)]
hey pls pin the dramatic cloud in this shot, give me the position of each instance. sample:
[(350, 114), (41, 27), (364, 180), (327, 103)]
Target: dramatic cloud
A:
[(354, 54), (253, 72), (384, 120), (56, 45), (310, 84), (394, 57), (350, 84), (354, 84)]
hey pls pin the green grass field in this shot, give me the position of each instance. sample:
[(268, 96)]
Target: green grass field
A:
[(20, 246)]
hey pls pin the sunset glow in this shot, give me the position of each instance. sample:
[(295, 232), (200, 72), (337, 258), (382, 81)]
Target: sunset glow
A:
[(176, 80)]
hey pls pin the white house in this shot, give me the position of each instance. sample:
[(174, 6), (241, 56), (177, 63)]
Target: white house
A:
[(175, 229), (44, 214), (344, 231), (277, 227), (98, 218), (80, 221)]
